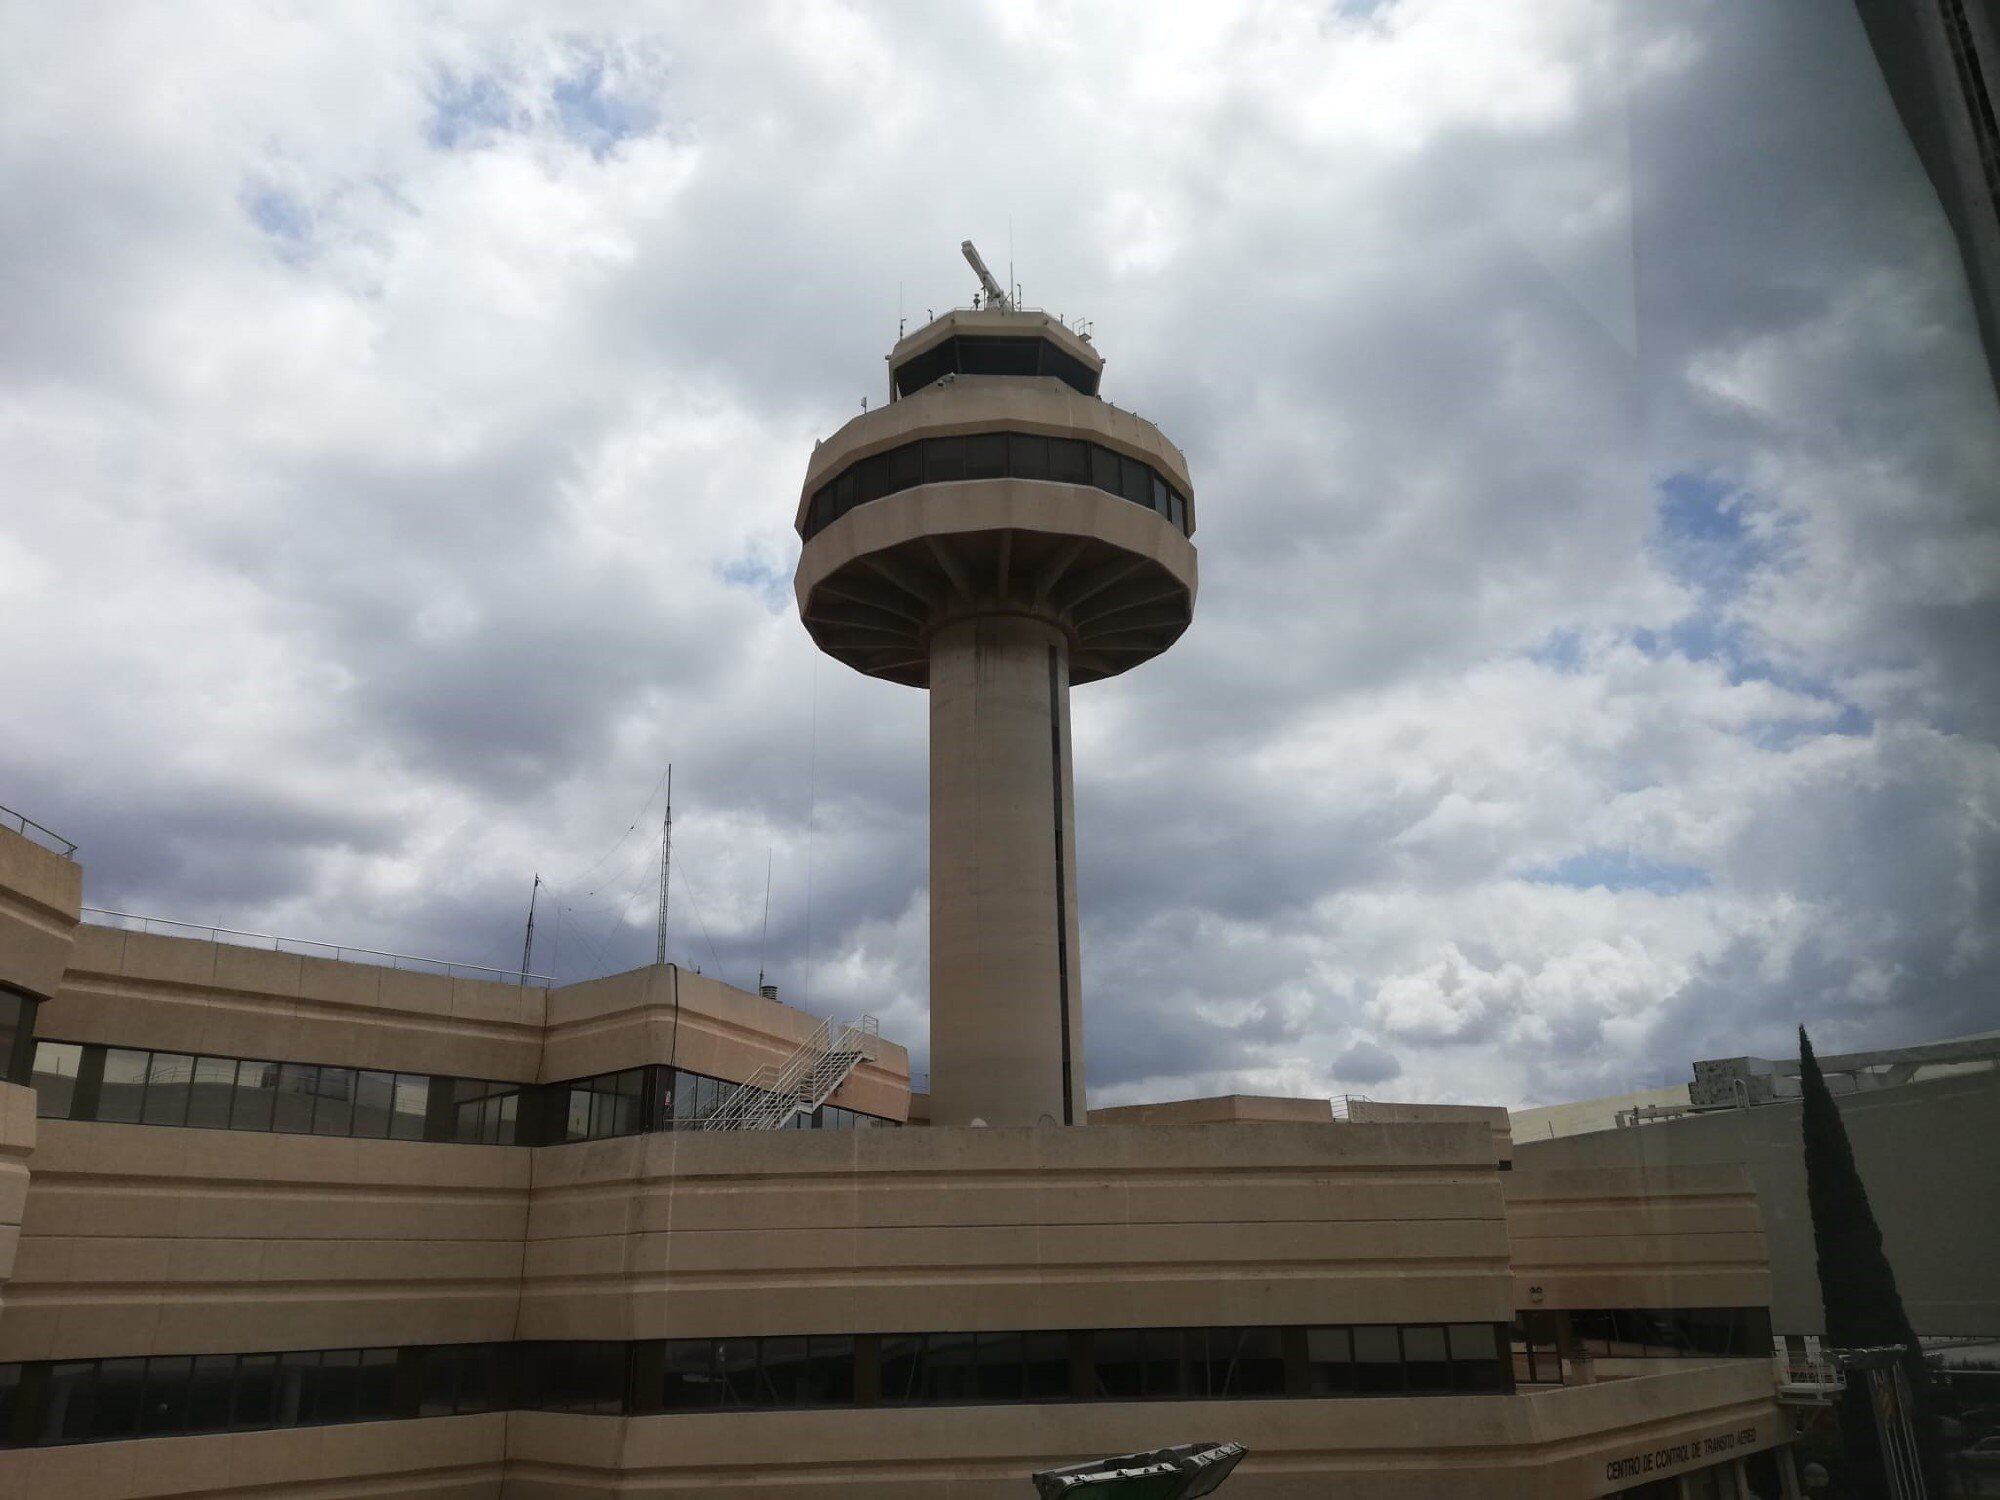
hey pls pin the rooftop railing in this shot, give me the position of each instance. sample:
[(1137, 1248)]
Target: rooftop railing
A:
[(126, 921), (47, 837)]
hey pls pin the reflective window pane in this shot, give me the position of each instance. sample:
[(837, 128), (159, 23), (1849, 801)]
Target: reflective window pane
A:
[(1424, 1359), (413, 1092), (691, 1380), (54, 1077), (210, 1385), (124, 1084), (167, 1079), (66, 1416), (256, 1403), (944, 459), (1103, 468), (1115, 1361), (375, 1388), (298, 1388), (986, 455), (1329, 1361), (213, 1092), (296, 1096), (333, 1104), (374, 1104), (1028, 456), (256, 1096), (1378, 1360), (115, 1407), (165, 1407)]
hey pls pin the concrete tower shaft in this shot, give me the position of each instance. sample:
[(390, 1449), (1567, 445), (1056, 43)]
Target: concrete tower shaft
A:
[(995, 534)]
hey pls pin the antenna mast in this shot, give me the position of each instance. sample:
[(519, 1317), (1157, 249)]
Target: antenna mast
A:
[(764, 938), (995, 298), (528, 946), (666, 864)]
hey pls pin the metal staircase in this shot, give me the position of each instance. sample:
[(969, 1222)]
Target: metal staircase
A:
[(778, 1092)]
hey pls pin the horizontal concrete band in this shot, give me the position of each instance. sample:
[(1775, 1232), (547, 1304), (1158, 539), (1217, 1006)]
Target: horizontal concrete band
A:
[(143, 1240), (41, 895), (1684, 1236)]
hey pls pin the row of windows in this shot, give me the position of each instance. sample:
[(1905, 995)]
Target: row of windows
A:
[(75, 1401), (988, 354), (131, 1085), (1539, 1336), (1652, 1333), (638, 1101), (995, 455)]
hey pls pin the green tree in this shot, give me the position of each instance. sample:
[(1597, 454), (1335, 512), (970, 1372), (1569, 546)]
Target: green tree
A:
[(1857, 1287)]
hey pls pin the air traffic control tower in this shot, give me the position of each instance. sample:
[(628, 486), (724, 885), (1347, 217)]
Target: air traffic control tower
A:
[(995, 534)]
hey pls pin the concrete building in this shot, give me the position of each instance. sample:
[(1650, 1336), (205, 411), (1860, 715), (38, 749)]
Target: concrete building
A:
[(1939, 58), (1922, 1121), (280, 1223)]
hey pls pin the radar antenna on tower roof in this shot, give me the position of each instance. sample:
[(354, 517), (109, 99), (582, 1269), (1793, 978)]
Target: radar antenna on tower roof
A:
[(995, 298)]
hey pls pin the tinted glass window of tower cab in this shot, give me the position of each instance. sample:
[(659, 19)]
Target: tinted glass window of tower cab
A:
[(994, 354)]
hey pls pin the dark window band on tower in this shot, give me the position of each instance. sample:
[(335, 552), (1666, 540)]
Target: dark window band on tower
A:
[(994, 354), (137, 1086), (996, 455)]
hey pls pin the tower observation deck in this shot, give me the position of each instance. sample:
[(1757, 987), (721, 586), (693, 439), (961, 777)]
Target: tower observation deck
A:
[(994, 534)]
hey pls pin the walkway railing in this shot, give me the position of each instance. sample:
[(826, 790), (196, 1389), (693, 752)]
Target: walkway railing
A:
[(126, 921), (42, 834)]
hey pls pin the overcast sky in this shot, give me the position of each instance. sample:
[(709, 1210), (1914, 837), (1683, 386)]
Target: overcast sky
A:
[(402, 411)]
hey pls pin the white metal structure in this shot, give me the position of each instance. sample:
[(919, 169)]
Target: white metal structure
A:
[(776, 1093)]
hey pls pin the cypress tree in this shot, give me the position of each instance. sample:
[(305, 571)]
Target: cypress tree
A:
[(1857, 1287)]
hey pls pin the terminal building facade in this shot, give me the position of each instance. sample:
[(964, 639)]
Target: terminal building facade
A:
[(273, 1222)]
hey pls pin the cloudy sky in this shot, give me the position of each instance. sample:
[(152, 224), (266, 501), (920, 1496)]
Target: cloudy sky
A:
[(402, 410)]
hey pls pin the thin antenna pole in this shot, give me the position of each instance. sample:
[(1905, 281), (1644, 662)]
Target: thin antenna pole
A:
[(666, 864), (764, 938), (528, 944)]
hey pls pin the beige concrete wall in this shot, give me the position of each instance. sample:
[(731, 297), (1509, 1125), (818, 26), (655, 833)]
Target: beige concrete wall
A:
[(1388, 1112), (1596, 1237), (881, 1231), (441, 1458), (139, 1240), (191, 995), (624, 1019), (1223, 1109), (40, 894), (1550, 1445), (1006, 952), (1924, 1151), (17, 1143)]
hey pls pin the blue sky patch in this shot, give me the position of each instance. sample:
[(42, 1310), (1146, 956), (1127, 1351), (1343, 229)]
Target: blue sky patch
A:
[(1705, 537), (1616, 870), (595, 119), (468, 109), (281, 216), (772, 585)]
